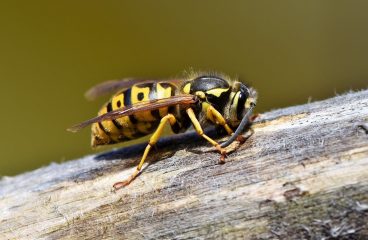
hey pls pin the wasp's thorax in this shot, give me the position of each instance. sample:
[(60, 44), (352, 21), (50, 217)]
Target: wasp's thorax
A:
[(232, 101)]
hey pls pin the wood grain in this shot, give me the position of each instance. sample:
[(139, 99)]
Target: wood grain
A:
[(302, 174)]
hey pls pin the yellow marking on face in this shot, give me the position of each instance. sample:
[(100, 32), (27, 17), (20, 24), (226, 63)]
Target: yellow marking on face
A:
[(232, 95), (116, 101), (217, 91), (236, 98), (186, 88), (141, 95), (233, 112)]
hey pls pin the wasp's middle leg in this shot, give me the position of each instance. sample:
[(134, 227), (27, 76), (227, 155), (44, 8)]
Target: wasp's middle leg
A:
[(198, 128), (152, 141)]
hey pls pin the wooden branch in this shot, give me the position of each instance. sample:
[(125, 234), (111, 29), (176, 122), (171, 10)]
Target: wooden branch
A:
[(302, 174)]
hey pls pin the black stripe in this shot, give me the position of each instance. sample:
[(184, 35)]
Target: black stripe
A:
[(165, 85), (172, 110), (109, 107), (127, 97), (100, 124), (169, 85), (116, 123), (103, 129), (156, 114), (128, 102), (122, 138), (133, 119), (152, 96), (144, 85)]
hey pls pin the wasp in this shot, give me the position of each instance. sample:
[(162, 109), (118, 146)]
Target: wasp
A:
[(142, 107)]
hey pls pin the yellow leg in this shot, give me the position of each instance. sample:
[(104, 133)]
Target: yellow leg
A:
[(217, 118), (198, 128), (153, 140)]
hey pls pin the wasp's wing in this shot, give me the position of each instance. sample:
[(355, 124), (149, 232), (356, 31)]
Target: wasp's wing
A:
[(112, 86), (140, 107)]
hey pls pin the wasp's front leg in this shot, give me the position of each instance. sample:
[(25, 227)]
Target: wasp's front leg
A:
[(215, 116), (199, 130)]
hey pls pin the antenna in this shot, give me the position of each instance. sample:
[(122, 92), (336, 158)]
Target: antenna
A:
[(241, 126)]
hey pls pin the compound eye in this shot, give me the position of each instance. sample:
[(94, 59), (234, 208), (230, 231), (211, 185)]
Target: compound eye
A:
[(242, 99), (241, 104)]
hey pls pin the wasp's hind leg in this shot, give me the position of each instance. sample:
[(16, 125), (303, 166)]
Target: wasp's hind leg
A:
[(153, 140), (200, 132)]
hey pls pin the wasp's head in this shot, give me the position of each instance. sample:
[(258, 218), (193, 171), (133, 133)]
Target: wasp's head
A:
[(241, 99)]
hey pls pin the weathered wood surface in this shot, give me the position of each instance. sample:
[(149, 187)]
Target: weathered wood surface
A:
[(302, 174)]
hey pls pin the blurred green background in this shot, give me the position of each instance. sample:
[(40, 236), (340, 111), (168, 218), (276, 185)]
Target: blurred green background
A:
[(52, 51)]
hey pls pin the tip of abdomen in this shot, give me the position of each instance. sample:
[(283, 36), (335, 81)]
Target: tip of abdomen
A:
[(98, 136)]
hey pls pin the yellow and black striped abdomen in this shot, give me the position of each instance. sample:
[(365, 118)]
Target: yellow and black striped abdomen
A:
[(136, 125)]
